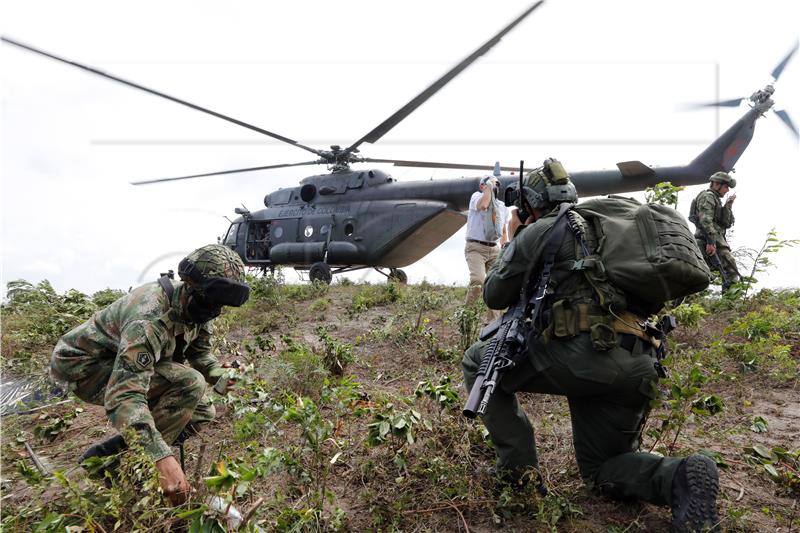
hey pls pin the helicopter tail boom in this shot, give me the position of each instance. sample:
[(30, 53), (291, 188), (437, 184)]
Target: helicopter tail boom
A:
[(631, 176)]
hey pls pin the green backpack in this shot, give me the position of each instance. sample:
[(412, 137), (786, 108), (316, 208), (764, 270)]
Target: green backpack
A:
[(645, 250)]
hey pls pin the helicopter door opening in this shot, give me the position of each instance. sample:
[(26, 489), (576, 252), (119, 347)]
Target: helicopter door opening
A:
[(258, 240)]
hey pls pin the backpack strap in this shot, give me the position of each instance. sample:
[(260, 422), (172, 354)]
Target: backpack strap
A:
[(551, 248), (166, 284)]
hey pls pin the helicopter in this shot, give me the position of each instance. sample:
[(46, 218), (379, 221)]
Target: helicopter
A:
[(350, 219)]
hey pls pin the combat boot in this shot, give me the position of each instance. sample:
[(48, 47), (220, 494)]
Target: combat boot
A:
[(694, 496)]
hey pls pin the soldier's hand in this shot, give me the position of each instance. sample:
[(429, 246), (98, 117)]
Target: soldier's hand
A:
[(711, 249), (730, 200), (172, 480)]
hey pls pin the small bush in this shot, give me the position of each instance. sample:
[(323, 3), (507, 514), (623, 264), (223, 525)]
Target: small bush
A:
[(689, 315), (368, 296)]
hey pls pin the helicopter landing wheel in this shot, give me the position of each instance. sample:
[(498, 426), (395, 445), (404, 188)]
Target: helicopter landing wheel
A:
[(398, 275), (320, 272)]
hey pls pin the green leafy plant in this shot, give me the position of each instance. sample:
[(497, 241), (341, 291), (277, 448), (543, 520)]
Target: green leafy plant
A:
[(442, 393), (336, 355), (783, 466), (689, 315), (664, 193), (395, 429), (685, 399), (761, 259), (759, 425), (368, 296), (51, 426)]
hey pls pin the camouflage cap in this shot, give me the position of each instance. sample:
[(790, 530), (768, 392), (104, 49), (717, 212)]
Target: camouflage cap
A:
[(723, 177), (212, 261)]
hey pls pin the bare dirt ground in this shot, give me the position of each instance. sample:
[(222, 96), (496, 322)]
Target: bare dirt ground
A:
[(440, 487)]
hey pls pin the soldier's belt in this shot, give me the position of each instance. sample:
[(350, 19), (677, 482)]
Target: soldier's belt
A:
[(568, 320)]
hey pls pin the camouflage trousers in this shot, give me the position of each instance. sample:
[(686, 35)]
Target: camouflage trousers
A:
[(608, 395), (730, 271), (176, 396)]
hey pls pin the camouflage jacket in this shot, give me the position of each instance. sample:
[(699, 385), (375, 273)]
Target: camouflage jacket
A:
[(131, 335), (711, 218)]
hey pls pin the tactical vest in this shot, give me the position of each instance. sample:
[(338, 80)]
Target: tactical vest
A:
[(722, 216)]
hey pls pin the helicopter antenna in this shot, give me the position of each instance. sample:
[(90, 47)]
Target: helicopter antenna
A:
[(157, 93), (380, 130)]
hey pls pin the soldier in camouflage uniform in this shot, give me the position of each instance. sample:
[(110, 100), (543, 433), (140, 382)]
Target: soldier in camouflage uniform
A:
[(608, 388), (712, 219), (128, 357)]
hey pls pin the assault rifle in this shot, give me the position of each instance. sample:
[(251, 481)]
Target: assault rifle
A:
[(505, 346), (714, 257)]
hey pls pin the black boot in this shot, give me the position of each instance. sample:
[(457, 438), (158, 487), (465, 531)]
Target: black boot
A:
[(694, 496)]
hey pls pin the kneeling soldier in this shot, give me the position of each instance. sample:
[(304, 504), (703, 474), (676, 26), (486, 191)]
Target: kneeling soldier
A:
[(129, 358), (608, 387)]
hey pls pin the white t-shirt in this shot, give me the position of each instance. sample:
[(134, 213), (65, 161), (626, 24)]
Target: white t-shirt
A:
[(476, 219)]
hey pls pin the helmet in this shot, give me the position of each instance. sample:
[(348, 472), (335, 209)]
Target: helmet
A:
[(211, 261), (215, 277), (546, 187), (723, 177)]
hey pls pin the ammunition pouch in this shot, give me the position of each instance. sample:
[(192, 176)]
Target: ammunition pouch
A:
[(567, 319), (724, 217)]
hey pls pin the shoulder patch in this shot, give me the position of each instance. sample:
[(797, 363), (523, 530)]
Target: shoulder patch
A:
[(144, 359)]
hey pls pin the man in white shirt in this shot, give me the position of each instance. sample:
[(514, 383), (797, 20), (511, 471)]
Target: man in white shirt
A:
[(486, 224)]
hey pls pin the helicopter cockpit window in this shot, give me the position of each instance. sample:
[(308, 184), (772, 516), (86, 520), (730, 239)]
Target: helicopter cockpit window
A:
[(280, 197), (230, 237)]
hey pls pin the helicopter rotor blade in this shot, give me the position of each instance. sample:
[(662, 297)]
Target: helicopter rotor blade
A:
[(784, 116), (776, 73), (157, 93), (422, 97), (223, 172), (723, 103), (431, 164)]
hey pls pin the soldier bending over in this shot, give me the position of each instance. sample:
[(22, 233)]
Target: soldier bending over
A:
[(129, 358)]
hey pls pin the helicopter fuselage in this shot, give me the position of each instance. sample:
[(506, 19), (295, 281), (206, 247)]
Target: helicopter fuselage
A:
[(352, 218)]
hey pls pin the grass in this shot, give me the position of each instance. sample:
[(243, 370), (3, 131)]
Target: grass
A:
[(346, 417)]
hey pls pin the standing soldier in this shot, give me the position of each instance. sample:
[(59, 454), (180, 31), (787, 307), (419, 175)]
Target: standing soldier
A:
[(129, 358), (604, 364), (712, 218)]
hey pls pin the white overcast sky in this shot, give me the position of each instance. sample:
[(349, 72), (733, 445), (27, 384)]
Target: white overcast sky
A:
[(589, 82)]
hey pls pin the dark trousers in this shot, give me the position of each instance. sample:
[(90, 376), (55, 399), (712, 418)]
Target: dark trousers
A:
[(608, 394)]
